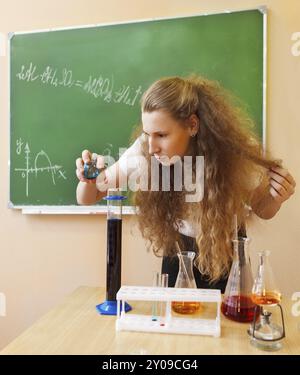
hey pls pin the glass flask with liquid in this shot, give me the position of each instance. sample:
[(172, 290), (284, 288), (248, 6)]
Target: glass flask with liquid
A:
[(185, 279), (266, 334), (265, 291), (237, 304)]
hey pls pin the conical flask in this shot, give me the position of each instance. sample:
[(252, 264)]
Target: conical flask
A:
[(237, 304), (185, 279), (266, 334), (265, 290)]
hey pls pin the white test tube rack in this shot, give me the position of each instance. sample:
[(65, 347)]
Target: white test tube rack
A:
[(171, 324)]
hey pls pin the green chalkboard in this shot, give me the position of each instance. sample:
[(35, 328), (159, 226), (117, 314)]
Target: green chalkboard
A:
[(80, 88)]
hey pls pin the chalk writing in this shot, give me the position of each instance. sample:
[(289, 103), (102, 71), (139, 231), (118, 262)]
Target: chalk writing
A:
[(108, 149), (42, 163), (28, 74), (19, 146), (98, 87)]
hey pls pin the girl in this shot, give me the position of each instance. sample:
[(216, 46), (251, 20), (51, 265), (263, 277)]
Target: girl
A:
[(195, 117)]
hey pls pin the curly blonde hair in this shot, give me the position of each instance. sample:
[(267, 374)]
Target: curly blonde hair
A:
[(234, 162)]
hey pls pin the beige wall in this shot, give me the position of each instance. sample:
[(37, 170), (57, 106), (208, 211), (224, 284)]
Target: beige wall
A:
[(43, 258)]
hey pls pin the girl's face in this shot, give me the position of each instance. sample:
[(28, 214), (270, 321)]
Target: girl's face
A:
[(166, 136)]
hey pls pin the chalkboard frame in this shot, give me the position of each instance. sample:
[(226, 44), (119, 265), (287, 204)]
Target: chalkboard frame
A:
[(96, 209)]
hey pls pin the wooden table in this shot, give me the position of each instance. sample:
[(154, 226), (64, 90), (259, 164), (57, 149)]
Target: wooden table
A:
[(75, 327)]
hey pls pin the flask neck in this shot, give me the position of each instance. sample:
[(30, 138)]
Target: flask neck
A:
[(185, 277), (241, 250), (186, 261), (263, 268), (264, 258)]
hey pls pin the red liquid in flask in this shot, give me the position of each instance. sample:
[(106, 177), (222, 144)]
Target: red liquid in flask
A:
[(238, 308)]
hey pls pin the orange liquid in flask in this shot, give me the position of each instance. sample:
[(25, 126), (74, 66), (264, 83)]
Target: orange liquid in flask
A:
[(268, 298), (185, 307)]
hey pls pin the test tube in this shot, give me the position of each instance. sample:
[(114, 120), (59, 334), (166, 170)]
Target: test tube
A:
[(155, 283), (163, 305)]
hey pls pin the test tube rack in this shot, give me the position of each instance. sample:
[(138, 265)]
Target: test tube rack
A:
[(171, 324)]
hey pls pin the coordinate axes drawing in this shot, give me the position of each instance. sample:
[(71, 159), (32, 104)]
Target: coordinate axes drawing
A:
[(41, 164)]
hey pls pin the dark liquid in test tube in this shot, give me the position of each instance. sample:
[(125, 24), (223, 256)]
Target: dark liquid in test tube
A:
[(113, 271)]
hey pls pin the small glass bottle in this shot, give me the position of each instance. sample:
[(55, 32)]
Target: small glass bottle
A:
[(185, 279), (90, 169), (237, 304)]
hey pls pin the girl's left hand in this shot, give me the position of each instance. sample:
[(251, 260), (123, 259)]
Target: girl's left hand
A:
[(282, 184)]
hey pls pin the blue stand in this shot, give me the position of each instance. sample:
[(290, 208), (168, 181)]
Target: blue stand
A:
[(110, 308)]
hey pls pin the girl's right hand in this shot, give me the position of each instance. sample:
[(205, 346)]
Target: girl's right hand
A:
[(87, 157)]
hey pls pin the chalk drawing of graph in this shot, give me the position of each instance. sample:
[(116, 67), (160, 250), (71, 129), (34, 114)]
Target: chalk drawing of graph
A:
[(42, 164)]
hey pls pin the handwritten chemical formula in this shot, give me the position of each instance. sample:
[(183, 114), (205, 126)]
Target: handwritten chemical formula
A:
[(99, 87)]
